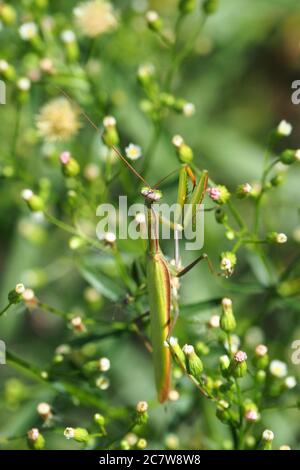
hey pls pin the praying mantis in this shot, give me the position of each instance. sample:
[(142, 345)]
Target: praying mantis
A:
[(159, 272)]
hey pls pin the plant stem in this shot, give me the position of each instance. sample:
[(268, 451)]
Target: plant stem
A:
[(237, 216), (5, 309), (151, 148), (53, 310)]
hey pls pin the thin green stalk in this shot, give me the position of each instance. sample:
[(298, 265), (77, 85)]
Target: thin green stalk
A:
[(5, 309), (237, 216), (53, 310)]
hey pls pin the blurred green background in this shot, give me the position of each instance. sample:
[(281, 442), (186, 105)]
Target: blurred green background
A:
[(239, 77)]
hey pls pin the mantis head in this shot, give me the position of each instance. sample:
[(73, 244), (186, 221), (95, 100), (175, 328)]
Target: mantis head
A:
[(151, 195)]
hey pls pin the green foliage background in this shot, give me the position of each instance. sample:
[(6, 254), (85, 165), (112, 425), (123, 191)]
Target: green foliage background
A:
[(239, 76)]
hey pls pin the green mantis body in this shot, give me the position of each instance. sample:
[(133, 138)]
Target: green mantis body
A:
[(159, 273)]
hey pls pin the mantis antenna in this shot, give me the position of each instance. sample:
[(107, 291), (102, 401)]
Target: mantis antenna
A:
[(115, 149)]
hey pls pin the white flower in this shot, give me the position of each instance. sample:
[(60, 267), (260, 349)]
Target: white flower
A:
[(20, 288), (28, 31), (281, 238), (226, 264), (261, 350), (189, 109), (133, 152), (188, 349), (28, 295), (142, 407), (284, 447), (109, 121), (297, 155), (95, 17), (69, 433), (24, 84), (3, 65), (44, 410), (146, 70), (173, 395), (214, 321), (290, 382), (104, 364), (33, 434), (278, 368), (177, 141), (268, 435), (68, 36), (152, 16), (284, 128), (102, 383), (26, 194)]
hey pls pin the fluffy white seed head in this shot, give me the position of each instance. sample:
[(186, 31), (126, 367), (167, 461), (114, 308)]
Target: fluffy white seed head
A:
[(28, 31), (104, 364), (33, 434), (261, 350), (68, 36), (133, 152), (281, 238), (26, 194), (152, 16), (278, 368), (142, 407), (24, 84), (20, 288), (188, 109), (109, 121), (268, 435), (188, 349), (284, 128), (177, 141), (69, 433)]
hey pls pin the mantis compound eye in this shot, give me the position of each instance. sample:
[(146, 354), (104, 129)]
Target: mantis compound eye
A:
[(151, 194)]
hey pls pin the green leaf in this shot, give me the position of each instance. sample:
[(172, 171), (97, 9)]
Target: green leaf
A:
[(191, 309), (103, 284)]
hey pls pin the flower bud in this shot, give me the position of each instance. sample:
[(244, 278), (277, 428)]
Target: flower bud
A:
[(275, 237), (99, 419), (69, 165), (219, 194), (221, 216), (290, 156), (110, 135), (167, 99), (193, 362), (176, 349), (260, 376), (153, 20), (35, 439), (224, 363), (141, 416), (187, 6), (145, 75), (202, 349), (228, 262), (251, 413), (227, 320), (104, 364), (6, 70), (210, 6), (44, 410), (34, 202), (261, 358), (15, 295), (184, 152), (78, 434), (243, 190), (78, 324), (222, 411), (8, 14), (141, 444), (266, 440), (278, 179), (284, 129), (238, 364)]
